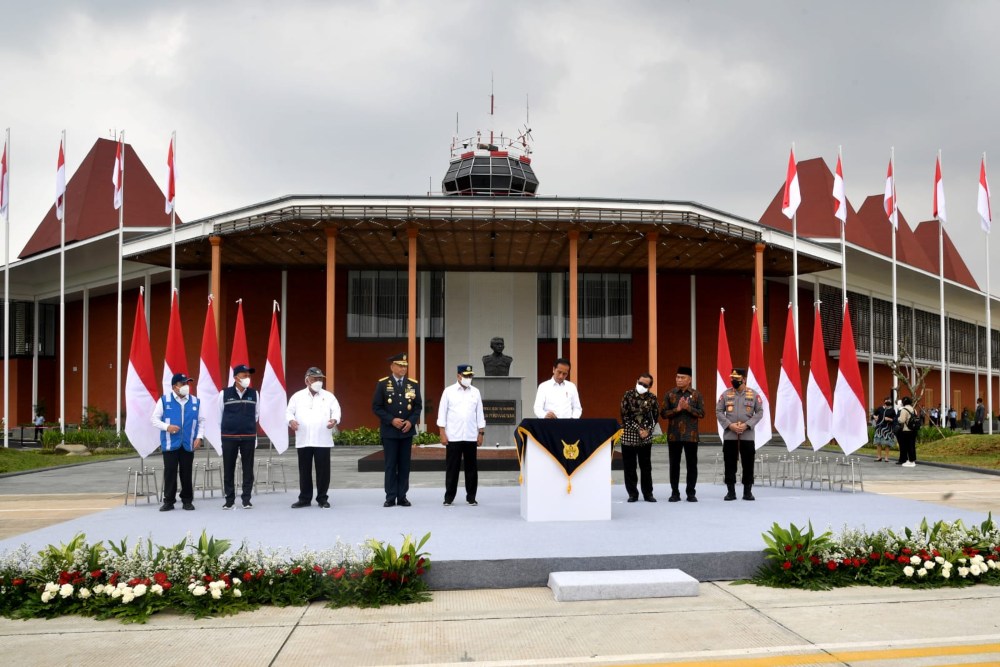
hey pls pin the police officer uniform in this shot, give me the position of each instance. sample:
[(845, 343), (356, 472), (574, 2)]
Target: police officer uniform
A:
[(738, 405), (397, 398)]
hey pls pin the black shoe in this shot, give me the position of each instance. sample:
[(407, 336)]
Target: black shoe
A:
[(188, 506), (229, 505), (324, 505), (389, 503), (472, 502), (692, 498), (674, 497), (301, 503), (247, 505), (633, 499), (731, 495), (403, 502), (166, 507), (747, 495), (447, 503), (649, 499)]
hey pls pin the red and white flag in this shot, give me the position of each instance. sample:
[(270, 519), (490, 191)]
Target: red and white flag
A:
[(839, 194), (210, 382), (757, 380), (793, 196), (819, 396), (889, 200), (724, 363), (983, 205), (939, 209), (175, 358), (118, 177), (850, 419), (239, 355), (61, 183), (141, 390), (788, 415), (273, 397), (4, 184), (171, 184)]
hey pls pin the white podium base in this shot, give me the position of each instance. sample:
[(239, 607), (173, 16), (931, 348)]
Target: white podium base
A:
[(543, 490)]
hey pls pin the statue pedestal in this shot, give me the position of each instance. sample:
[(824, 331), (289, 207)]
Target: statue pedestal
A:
[(502, 408)]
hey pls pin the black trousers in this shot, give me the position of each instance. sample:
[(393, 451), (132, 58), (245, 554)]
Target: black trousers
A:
[(308, 457), (744, 449), (397, 467), (638, 454), (183, 460), (456, 451), (690, 451), (907, 446), (230, 448)]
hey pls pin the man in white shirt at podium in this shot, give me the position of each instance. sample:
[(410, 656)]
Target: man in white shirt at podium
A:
[(558, 398)]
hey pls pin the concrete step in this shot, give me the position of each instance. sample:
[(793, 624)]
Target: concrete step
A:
[(621, 585)]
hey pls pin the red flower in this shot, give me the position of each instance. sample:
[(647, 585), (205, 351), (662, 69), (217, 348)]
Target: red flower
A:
[(114, 579), (394, 576), (385, 575), (907, 551), (339, 574), (788, 547), (368, 571), (889, 556), (260, 574), (317, 569), (936, 553), (798, 546), (420, 571), (857, 562), (787, 565), (247, 575), (864, 561), (296, 571), (406, 557), (17, 582), (208, 578), (814, 560), (420, 561), (279, 571), (873, 556), (799, 559), (96, 574), (166, 585), (160, 578), (356, 575), (831, 565)]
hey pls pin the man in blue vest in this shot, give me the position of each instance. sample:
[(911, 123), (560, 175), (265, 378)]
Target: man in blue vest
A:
[(240, 406), (397, 405), (178, 416)]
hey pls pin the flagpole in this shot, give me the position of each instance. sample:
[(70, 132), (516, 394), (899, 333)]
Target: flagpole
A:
[(173, 228), (843, 235), (62, 305), (6, 291), (118, 348), (795, 267), (944, 359), (989, 330), (895, 318)]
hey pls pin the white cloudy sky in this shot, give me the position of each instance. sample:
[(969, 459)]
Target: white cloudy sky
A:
[(668, 100)]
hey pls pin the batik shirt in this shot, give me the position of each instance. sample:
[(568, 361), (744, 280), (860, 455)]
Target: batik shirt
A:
[(639, 411), (682, 425)]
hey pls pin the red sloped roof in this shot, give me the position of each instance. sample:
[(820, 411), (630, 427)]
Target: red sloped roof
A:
[(868, 227), (90, 200), (954, 268)]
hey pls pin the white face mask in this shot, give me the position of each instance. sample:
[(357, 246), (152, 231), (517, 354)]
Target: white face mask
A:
[(465, 382), (244, 382), (316, 386), (183, 391), (640, 389)]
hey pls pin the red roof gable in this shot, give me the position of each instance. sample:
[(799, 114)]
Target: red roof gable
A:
[(954, 268), (90, 208)]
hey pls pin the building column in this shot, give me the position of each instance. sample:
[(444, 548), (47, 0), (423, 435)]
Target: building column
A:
[(85, 358), (215, 282), (574, 242), (411, 313), (331, 285), (758, 275), (651, 239), (694, 328)]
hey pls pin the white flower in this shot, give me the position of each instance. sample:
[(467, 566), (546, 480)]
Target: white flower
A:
[(961, 561), (963, 572), (216, 585), (84, 593), (939, 560), (921, 572), (908, 571), (914, 560), (66, 590), (156, 589), (236, 581), (978, 559), (216, 593), (945, 573), (98, 589), (198, 591), (51, 588), (237, 593), (947, 565), (116, 593), (929, 564), (122, 585), (46, 596), (992, 564), (127, 597), (191, 586), (139, 590), (975, 569)]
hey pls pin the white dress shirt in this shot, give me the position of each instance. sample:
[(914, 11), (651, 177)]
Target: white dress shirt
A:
[(460, 413), (313, 413), (559, 398)]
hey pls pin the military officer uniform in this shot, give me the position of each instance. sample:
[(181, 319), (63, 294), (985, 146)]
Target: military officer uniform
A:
[(397, 404), (738, 407)]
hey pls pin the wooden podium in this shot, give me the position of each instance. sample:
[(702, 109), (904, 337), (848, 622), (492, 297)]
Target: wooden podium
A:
[(566, 468)]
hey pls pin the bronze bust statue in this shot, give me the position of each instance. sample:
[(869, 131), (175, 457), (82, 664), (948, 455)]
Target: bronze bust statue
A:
[(498, 363)]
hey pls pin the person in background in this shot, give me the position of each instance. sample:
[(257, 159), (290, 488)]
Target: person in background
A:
[(240, 408), (907, 434), (640, 411), (462, 424), (683, 406), (39, 422), (883, 438), (178, 416), (979, 418), (313, 413)]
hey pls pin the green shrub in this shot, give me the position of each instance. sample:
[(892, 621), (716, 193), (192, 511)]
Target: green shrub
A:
[(369, 437), (92, 438)]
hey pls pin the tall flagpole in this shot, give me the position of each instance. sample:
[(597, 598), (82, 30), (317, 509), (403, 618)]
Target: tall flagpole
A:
[(795, 267), (118, 343), (6, 290), (173, 216), (944, 359), (895, 313), (843, 234), (62, 304), (989, 331)]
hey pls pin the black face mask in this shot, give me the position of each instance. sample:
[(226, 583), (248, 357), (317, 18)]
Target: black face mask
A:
[(736, 383)]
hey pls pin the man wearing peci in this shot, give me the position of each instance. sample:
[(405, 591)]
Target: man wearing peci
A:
[(462, 423), (312, 414), (397, 404), (738, 411), (240, 408), (558, 398), (178, 416), (683, 406)]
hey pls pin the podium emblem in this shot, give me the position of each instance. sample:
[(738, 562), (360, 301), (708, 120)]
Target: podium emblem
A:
[(571, 452)]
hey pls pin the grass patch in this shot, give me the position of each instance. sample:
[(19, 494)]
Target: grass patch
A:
[(977, 451), (19, 460)]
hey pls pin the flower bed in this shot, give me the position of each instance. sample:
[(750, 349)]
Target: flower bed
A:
[(204, 578), (942, 554)]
